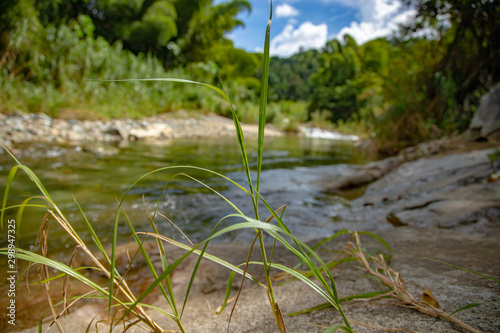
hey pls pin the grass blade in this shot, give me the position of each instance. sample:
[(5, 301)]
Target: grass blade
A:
[(464, 269), (468, 306), (263, 100), (10, 179), (92, 232), (333, 329)]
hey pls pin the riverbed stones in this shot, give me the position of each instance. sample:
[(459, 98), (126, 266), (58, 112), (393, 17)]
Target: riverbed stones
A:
[(31, 128)]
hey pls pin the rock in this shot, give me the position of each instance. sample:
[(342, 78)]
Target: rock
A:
[(450, 191), (100, 149), (359, 175), (451, 287), (150, 132), (31, 128), (486, 121)]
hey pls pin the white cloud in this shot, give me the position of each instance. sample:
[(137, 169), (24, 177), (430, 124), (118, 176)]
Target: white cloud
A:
[(285, 10), (306, 36), (377, 18)]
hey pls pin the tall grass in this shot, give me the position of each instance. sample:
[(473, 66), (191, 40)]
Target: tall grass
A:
[(119, 295)]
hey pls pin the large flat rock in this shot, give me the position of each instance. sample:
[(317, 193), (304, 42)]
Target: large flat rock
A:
[(452, 288), (450, 191)]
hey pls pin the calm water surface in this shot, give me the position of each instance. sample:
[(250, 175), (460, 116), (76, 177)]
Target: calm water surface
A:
[(99, 179)]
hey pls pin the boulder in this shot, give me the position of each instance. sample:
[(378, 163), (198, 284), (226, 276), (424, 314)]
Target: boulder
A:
[(486, 122)]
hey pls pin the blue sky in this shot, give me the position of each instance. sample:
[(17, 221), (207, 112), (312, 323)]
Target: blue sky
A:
[(311, 23)]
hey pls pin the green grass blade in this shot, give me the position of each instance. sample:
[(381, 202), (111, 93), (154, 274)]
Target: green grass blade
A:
[(26, 205), (150, 265), (92, 232), (341, 300), (10, 179), (468, 306), (243, 151), (380, 240), (303, 255), (208, 256), (333, 329), (81, 268), (305, 280), (263, 100), (38, 259), (228, 291), (464, 269), (176, 80), (328, 239)]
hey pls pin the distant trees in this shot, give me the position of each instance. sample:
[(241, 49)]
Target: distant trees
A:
[(291, 78), (397, 88)]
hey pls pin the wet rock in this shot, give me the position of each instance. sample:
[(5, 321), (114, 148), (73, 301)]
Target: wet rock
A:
[(450, 191), (359, 175), (100, 149)]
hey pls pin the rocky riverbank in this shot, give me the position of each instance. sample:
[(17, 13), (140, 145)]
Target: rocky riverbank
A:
[(27, 128)]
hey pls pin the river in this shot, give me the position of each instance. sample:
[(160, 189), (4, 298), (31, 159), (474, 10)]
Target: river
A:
[(98, 178)]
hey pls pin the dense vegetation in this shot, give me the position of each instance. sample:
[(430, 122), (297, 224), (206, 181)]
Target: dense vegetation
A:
[(410, 87)]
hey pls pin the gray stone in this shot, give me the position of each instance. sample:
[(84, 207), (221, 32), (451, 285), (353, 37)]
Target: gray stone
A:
[(486, 121), (450, 191), (151, 132)]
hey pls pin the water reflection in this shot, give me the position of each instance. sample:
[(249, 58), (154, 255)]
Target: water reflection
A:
[(99, 176)]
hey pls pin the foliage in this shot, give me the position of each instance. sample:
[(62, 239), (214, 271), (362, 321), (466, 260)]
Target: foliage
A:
[(290, 78), (349, 78), (469, 64)]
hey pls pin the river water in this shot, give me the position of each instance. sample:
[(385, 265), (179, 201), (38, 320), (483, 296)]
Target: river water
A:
[(98, 178)]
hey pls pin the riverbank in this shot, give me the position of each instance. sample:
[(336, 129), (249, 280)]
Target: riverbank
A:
[(434, 201), (28, 128)]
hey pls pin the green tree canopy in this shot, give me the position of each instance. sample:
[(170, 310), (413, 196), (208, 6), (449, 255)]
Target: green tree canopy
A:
[(469, 30)]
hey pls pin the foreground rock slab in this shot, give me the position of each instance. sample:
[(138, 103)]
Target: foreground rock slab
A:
[(452, 288)]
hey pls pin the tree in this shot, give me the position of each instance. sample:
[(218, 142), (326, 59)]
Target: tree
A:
[(469, 31), (154, 30), (203, 25), (337, 81)]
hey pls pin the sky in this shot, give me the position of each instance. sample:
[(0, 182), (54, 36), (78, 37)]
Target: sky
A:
[(309, 24)]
